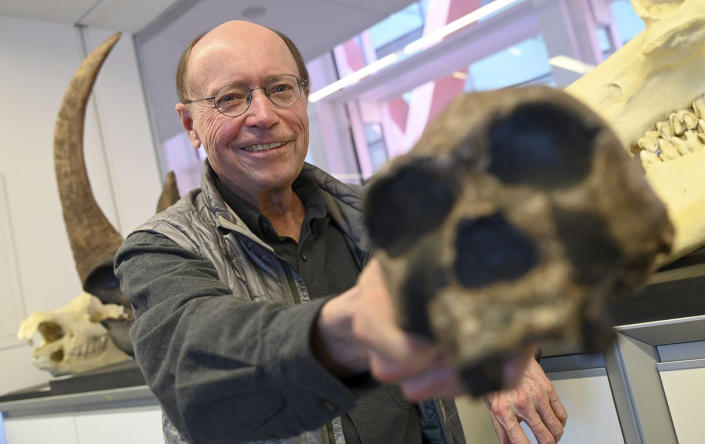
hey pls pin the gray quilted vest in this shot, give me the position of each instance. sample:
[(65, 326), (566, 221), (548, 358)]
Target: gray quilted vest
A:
[(202, 222)]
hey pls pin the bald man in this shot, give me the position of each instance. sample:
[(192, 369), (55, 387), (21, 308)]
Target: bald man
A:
[(258, 314)]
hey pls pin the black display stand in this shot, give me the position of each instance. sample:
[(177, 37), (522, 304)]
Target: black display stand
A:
[(124, 374), (677, 291)]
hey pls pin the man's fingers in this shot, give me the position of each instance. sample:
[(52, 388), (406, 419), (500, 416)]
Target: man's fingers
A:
[(375, 324), (503, 411), (443, 382), (402, 364), (539, 428), (552, 412), (510, 425), (557, 407), (499, 430), (553, 422)]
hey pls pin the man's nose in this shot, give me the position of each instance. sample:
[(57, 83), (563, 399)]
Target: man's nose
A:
[(261, 111)]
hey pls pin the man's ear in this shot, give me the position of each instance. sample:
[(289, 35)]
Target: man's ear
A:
[(187, 123)]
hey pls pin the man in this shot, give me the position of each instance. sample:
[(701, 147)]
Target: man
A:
[(251, 320)]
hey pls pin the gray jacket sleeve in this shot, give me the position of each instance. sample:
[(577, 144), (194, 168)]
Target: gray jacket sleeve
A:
[(223, 370)]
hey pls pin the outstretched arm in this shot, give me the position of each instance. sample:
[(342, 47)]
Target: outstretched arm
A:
[(224, 369)]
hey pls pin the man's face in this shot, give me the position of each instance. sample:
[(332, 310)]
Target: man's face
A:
[(263, 149)]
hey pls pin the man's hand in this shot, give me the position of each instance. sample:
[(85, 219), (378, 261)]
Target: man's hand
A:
[(534, 401), (358, 331)]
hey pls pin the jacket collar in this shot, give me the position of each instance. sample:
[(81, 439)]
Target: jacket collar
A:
[(343, 201)]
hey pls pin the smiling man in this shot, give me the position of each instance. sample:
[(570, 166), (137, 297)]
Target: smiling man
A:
[(258, 314)]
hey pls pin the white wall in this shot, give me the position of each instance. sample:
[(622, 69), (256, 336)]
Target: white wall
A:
[(37, 60)]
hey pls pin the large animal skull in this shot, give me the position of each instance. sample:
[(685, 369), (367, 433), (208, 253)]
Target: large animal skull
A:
[(73, 340), (93, 239), (651, 92), (511, 220)]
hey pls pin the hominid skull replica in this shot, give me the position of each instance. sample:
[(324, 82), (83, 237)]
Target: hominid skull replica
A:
[(94, 241), (73, 340), (510, 221), (651, 92)]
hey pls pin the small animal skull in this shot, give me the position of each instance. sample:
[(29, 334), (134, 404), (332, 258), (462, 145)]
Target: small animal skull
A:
[(511, 220), (73, 339)]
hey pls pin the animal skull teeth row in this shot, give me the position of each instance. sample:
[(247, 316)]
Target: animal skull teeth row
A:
[(683, 133), (69, 344)]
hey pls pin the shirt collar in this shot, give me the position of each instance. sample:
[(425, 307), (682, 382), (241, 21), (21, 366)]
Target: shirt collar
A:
[(305, 188)]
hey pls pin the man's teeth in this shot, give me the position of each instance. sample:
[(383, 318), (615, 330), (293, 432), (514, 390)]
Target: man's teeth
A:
[(683, 133), (263, 147)]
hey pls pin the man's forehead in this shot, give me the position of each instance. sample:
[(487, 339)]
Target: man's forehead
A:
[(236, 36), (238, 43)]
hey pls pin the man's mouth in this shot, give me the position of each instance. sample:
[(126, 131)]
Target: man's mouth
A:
[(263, 146)]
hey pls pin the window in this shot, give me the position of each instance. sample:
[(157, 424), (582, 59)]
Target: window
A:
[(390, 92)]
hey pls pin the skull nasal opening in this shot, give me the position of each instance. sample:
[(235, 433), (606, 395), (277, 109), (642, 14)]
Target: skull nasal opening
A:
[(490, 249), (541, 145)]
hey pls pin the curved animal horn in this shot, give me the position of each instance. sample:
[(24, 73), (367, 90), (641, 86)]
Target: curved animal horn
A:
[(170, 192), (93, 239)]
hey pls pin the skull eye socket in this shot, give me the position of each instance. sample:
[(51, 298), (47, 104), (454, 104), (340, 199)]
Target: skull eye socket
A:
[(50, 331), (490, 249), (541, 145), (418, 196)]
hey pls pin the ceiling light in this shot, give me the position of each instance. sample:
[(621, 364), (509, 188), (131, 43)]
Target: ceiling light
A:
[(353, 78), (253, 12), (438, 35)]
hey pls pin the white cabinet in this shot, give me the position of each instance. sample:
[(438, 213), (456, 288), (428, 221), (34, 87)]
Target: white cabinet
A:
[(682, 373), (48, 429), (142, 425), (134, 425), (126, 415), (685, 392)]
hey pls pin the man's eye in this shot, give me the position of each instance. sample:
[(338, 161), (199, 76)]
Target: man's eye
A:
[(230, 98), (281, 88)]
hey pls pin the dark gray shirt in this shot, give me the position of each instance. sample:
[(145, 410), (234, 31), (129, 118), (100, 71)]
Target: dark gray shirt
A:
[(328, 267)]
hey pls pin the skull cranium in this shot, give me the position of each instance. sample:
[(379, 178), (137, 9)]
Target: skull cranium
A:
[(73, 339), (511, 220)]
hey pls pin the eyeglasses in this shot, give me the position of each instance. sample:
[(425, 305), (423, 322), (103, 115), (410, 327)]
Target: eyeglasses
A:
[(233, 100)]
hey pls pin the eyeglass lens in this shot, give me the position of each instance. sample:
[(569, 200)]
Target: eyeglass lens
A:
[(282, 90)]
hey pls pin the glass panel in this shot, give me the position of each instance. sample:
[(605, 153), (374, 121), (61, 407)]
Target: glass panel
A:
[(376, 145), (603, 39), (397, 30), (393, 34), (629, 24), (523, 63)]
